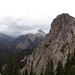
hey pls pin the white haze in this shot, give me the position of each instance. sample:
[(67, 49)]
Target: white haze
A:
[(21, 16)]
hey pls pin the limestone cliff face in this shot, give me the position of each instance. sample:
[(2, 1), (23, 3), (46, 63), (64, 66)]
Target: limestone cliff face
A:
[(56, 44)]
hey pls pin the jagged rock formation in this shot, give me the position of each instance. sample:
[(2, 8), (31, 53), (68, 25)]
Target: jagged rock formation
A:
[(56, 44), (29, 41)]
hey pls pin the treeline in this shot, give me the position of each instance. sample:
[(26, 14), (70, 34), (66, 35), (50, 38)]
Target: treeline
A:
[(68, 69), (12, 68)]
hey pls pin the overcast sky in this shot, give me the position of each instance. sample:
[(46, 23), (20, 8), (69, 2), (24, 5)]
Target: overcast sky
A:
[(23, 16)]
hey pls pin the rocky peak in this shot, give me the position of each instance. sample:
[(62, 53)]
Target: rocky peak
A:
[(40, 31), (65, 17), (56, 44), (62, 23)]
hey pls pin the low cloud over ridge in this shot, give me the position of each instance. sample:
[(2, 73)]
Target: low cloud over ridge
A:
[(16, 27)]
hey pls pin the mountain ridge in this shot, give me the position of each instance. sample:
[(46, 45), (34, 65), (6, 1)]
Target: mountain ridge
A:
[(56, 44), (34, 38), (6, 40)]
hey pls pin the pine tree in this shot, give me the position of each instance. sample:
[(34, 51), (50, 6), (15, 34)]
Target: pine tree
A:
[(9, 69), (26, 73), (50, 69), (73, 58), (34, 73), (41, 72), (4, 72), (10, 65), (72, 70), (67, 65), (59, 69), (16, 72), (0, 67), (31, 72)]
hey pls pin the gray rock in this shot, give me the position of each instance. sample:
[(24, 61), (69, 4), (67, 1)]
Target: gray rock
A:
[(56, 44), (29, 41)]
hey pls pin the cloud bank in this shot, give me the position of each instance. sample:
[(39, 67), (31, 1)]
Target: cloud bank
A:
[(16, 27), (19, 17)]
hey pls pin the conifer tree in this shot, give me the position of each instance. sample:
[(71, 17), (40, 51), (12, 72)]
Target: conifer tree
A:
[(34, 73), (52, 68), (73, 58), (41, 73), (0, 67), (9, 69), (49, 70), (31, 72), (10, 65), (16, 72), (72, 70), (67, 65), (4, 72), (26, 73), (59, 69)]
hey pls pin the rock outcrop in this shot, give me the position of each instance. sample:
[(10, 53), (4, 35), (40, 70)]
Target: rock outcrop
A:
[(29, 41), (56, 44)]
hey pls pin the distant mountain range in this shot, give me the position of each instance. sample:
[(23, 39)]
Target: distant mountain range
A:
[(29, 41), (5, 41)]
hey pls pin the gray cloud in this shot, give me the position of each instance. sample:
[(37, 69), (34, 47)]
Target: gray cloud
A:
[(18, 27)]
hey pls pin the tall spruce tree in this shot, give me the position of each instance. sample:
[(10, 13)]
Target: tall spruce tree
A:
[(59, 69), (67, 65), (31, 72), (0, 67), (9, 69), (41, 72), (50, 69), (26, 73), (72, 70), (73, 58), (10, 65)]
